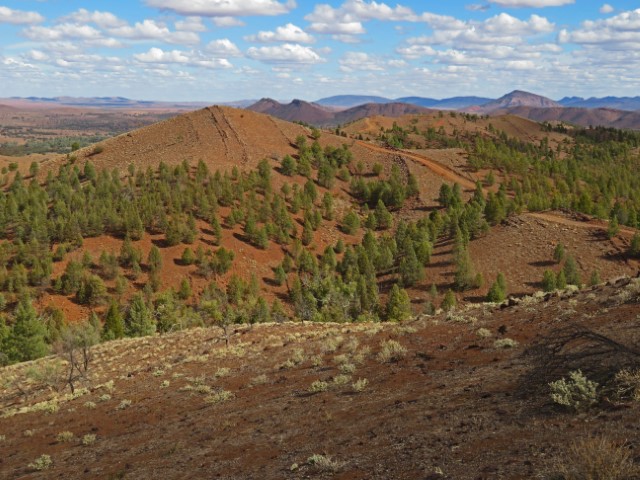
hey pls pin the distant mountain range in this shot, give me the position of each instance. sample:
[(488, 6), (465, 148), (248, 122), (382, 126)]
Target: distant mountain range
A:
[(455, 103), (320, 115), (619, 112), (111, 102), (517, 98)]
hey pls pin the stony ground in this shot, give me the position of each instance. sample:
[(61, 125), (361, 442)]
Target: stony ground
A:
[(462, 395)]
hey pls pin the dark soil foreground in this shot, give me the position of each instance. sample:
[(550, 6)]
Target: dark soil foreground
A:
[(458, 400)]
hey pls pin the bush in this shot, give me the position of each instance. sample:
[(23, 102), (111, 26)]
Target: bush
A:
[(391, 351), (596, 458), (577, 393)]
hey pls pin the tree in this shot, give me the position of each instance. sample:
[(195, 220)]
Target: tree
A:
[(384, 219), (449, 301), (26, 340), (561, 280), (634, 248), (549, 283), (464, 277), (113, 323), (307, 234), (288, 166), (217, 230), (595, 278), (188, 257), (497, 292), (559, 253), (571, 271), (398, 305), (185, 289), (279, 275), (614, 227), (139, 318), (350, 223), (410, 269), (74, 346), (154, 260)]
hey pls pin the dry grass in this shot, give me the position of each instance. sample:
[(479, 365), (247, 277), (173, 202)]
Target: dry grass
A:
[(596, 459)]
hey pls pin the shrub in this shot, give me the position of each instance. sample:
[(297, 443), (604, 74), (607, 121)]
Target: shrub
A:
[(89, 439), (360, 384), (596, 458), (628, 382), (318, 386), (219, 397), (505, 343), (577, 393), (324, 463), (43, 462), (391, 351), (65, 436)]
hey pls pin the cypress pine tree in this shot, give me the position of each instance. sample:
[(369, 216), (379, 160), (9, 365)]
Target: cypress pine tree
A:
[(549, 282), (398, 305), (113, 323), (139, 319), (27, 338), (571, 271)]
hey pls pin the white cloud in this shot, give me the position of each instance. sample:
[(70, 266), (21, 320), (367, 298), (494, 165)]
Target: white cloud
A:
[(193, 58), (348, 18), (532, 3), (191, 24), (102, 19), (223, 8), (157, 55), (19, 17), (619, 31), (61, 32), (285, 54), (287, 33), (352, 61), (606, 8), (223, 48), (152, 30), (225, 22)]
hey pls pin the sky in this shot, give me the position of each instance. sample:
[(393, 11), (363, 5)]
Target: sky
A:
[(225, 50)]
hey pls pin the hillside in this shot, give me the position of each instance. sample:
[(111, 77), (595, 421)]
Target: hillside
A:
[(300, 111), (518, 98), (296, 111), (442, 397), (578, 116)]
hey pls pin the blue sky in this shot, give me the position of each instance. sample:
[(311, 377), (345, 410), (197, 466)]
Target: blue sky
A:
[(223, 50)]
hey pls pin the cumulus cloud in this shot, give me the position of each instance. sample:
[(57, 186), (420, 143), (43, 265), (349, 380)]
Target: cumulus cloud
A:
[(223, 48), (19, 17), (223, 8), (225, 22), (287, 33), (100, 28), (348, 18), (606, 8), (619, 31), (532, 3), (152, 30), (286, 54), (190, 24), (193, 58), (101, 19)]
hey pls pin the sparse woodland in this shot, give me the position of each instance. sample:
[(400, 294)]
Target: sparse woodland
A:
[(42, 222)]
